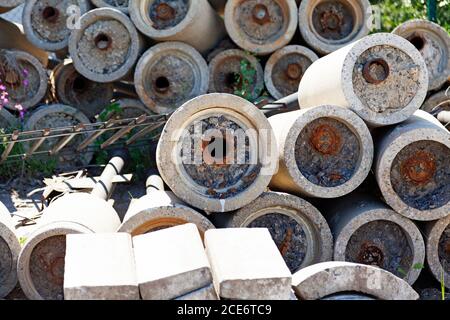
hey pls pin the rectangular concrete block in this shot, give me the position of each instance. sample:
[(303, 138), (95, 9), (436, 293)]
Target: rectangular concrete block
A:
[(171, 262), (206, 293), (100, 267), (247, 264)]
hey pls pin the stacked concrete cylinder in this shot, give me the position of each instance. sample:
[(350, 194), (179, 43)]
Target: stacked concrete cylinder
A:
[(9, 252), (6, 5), (368, 77), (411, 167), (324, 152), (438, 102), (217, 152), (193, 22), (41, 261)]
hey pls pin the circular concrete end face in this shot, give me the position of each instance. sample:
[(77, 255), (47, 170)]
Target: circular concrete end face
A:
[(327, 152), (46, 23), (299, 230), (328, 278), (217, 152), (285, 68), (235, 71), (330, 25), (382, 238), (106, 46), (25, 78), (261, 27), (9, 252), (433, 42), (121, 5), (384, 79), (412, 168), (438, 250), (159, 87)]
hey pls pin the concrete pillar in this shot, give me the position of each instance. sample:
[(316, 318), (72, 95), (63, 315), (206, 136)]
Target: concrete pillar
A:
[(324, 152), (160, 209), (160, 88), (261, 27), (9, 251), (217, 152), (328, 278), (100, 267), (193, 22), (438, 102), (41, 262), (106, 46), (437, 238), (433, 42), (247, 265), (48, 23), (382, 77), (7, 5), (412, 168), (366, 231), (331, 25), (204, 294), (13, 38), (299, 230), (285, 69), (25, 78), (58, 115), (171, 263), (121, 5), (235, 71), (71, 88)]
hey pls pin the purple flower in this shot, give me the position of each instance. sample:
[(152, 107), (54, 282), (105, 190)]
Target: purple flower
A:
[(2, 87), (26, 82), (25, 72)]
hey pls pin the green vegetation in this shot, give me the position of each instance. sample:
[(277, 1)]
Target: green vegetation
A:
[(244, 80)]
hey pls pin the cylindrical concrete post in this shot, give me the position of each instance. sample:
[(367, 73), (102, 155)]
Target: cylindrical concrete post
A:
[(261, 27), (437, 238), (382, 77), (217, 152), (13, 38), (299, 230), (192, 21), (367, 231), (326, 279), (41, 261), (106, 46), (121, 5), (236, 72), (6, 5), (169, 74), (71, 88), (327, 26), (48, 23), (9, 251), (438, 102), (58, 115), (285, 69), (412, 167), (25, 78), (433, 42), (324, 152), (160, 209)]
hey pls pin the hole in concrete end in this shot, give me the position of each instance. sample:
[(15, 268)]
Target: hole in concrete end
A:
[(162, 84), (50, 14), (79, 84), (418, 42), (376, 71), (103, 41)]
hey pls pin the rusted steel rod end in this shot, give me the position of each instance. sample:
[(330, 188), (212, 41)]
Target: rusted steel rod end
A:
[(376, 71)]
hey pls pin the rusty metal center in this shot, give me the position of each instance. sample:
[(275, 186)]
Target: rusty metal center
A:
[(50, 14), (294, 71), (330, 21), (57, 270), (103, 41), (260, 14), (420, 168), (376, 71), (165, 12), (326, 140), (371, 255)]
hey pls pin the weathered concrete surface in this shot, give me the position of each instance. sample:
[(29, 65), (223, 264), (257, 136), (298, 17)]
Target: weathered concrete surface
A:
[(328, 278), (324, 151), (171, 262), (368, 77), (433, 42), (261, 27), (6, 5), (412, 170), (328, 26), (121, 5), (206, 293), (100, 267), (246, 264)]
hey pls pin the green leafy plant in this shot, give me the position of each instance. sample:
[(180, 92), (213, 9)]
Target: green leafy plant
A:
[(244, 80)]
